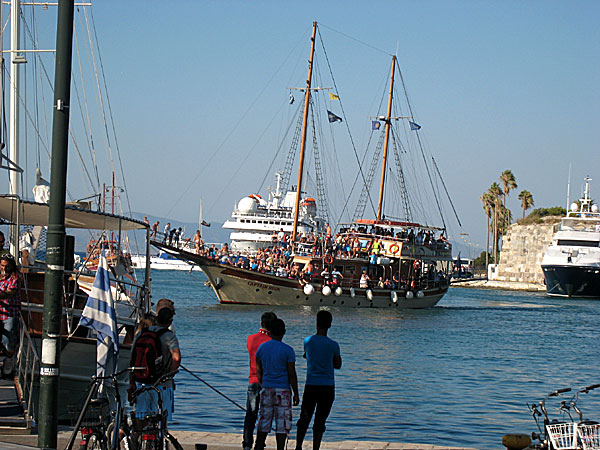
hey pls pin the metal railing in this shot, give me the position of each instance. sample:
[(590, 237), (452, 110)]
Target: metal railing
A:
[(28, 366)]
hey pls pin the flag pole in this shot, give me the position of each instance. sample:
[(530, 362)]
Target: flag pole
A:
[(55, 256)]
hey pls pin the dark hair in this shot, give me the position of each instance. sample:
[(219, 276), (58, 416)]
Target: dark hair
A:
[(277, 328), (12, 265), (164, 316), (266, 319), (324, 319)]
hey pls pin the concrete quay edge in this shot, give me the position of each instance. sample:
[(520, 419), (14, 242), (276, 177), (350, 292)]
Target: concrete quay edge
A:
[(230, 441)]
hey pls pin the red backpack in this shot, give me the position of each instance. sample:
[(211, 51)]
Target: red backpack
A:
[(147, 353)]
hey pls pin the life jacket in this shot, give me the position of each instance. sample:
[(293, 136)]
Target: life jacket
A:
[(147, 353)]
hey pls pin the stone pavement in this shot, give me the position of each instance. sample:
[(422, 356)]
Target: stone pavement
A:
[(229, 441)]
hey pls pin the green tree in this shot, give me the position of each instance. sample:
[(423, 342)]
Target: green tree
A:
[(526, 200), (488, 206), (496, 192), (508, 183)]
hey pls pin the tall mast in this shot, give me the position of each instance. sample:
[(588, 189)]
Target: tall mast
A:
[(388, 124), (304, 123), (16, 60)]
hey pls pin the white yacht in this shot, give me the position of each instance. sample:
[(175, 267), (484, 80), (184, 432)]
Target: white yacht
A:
[(571, 263), (255, 222)]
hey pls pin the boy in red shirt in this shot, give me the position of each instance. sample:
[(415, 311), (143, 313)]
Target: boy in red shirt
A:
[(253, 399)]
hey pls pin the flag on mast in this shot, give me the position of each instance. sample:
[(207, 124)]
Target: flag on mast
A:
[(99, 314), (332, 117), (414, 126), (333, 96)]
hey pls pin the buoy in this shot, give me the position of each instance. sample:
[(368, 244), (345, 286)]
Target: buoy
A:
[(516, 441), (352, 293), (369, 295), (338, 291), (309, 289), (394, 296), (326, 290), (420, 294), (409, 295)]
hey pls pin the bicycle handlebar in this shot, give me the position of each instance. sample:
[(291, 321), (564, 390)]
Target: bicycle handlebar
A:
[(148, 387), (115, 375)]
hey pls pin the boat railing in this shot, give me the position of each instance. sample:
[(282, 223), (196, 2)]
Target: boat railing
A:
[(28, 366)]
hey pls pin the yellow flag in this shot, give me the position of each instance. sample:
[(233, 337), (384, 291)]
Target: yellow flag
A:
[(333, 96)]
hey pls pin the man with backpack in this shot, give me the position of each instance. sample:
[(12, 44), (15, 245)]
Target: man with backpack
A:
[(156, 350)]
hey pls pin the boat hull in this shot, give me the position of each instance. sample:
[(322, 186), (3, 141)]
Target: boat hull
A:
[(572, 281), (233, 285)]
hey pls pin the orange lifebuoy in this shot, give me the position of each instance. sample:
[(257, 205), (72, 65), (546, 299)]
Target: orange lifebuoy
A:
[(394, 249), (328, 259)]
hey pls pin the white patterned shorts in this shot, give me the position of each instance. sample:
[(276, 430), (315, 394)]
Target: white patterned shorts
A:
[(275, 403)]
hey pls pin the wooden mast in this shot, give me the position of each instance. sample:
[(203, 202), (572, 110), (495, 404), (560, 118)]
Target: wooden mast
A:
[(388, 124), (304, 126)]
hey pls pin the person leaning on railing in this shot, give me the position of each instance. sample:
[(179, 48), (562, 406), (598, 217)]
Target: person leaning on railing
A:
[(10, 307)]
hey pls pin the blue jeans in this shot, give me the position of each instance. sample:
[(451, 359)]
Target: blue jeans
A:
[(252, 402), (10, 333)]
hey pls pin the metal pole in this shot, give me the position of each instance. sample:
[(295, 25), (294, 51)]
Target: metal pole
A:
[(15, 59), (55, 251)]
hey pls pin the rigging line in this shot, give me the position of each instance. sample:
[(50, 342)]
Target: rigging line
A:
[(421, 147), (250, 152), (118, 149), (99, 91), (233, 129), (214, 389), (356, 40), (361, 173), (90, 134), (268, 171), (446, 190)]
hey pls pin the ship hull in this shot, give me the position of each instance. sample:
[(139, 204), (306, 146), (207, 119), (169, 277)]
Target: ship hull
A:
[(572, 281), (233, 285)]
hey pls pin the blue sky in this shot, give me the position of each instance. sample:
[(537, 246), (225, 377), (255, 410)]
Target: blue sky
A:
[(495, 86)]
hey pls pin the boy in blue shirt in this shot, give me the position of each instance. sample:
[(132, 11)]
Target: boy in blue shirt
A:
[(276, 372), (322, 355)]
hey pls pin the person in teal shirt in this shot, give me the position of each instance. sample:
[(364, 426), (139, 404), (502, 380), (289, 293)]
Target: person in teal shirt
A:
[(323, 356)]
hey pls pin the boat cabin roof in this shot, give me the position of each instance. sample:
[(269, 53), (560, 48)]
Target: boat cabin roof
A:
[(36, 214)]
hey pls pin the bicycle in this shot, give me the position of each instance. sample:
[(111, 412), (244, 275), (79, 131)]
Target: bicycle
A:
[(155, 434), (91, 422), (549, 437)]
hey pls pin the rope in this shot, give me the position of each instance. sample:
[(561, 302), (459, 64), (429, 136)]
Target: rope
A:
[(213, 388)]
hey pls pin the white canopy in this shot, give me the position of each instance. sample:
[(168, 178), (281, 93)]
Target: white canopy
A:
[(32, 213)]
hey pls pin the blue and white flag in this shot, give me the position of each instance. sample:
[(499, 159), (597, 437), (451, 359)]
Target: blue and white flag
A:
[(414, 126), (332, 117), (375, 125), (99, 314)]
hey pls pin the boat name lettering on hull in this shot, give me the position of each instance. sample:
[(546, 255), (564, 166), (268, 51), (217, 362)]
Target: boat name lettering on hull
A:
[(264, 286)]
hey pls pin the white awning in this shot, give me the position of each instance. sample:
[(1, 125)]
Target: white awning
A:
[(32, 213)]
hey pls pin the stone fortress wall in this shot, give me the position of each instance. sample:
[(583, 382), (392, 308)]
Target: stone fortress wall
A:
[(523, 248)]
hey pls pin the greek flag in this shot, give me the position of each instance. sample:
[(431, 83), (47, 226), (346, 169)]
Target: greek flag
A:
[(99, 314)]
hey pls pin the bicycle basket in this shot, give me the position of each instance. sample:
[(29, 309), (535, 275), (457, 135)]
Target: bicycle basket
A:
[(97, 412), (589, 435), (563, 435)]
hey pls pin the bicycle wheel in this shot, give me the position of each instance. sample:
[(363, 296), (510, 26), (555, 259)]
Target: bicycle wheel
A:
[(94, 442), (170, 443), (126, 443)]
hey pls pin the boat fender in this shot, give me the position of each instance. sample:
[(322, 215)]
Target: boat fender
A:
[(352, 293), (207, 283), (409, 295), (394, 296), (309, 289), (420, 294), (338, 291), (326, 290), (516, 441), (218, 283), (369, 295)]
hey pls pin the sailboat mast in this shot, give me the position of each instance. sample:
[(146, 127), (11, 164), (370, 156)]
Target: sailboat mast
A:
[(388, 124), (304, 126), (16, 60)]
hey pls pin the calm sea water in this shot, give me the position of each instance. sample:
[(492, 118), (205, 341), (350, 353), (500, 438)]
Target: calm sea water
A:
[(458, 374)]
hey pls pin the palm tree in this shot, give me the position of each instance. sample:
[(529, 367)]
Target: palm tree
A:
[(526, 200), (508, 182), (488, 205), (496, 193)]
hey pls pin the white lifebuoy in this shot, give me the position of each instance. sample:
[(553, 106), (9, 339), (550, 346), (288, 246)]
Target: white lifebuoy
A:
[(338, 291), (309, 289), (420, 294), (326, 290), (352, 293), (409, 295), (394, 296), (369, 295)]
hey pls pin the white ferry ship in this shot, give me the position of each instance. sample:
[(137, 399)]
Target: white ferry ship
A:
[(571, 263), (255, 222)]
